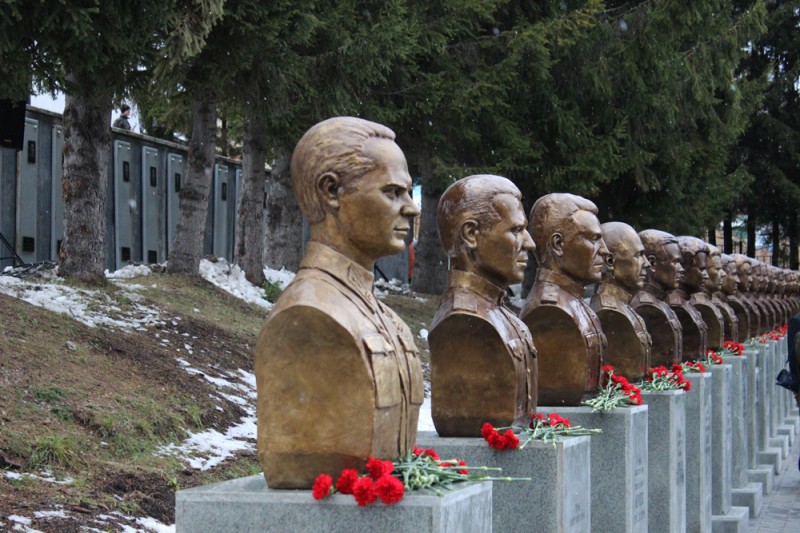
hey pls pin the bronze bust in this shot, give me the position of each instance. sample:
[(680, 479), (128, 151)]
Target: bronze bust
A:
[(729, 293), (755, 296), (692, 324), (568, 335), (701, 297), (662, 252), (483, 362), (337, 372), (744, 273), (629, 343)]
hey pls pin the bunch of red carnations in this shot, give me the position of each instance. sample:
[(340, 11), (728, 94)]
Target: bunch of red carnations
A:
[(692, 366), (389, 480), (614, 391), (711, 358), (660, 378), (732, 348), (547, 428)]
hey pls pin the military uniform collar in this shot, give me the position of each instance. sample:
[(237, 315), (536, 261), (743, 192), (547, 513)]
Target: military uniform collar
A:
[(350, 273), (562, 280), (616, 291), (655, 290), (461, 279)]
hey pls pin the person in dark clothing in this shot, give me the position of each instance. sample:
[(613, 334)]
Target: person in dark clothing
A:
[(792, 341), (122, 121)]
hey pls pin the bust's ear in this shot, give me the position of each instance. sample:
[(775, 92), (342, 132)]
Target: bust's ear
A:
[(328, 189), (557, 244), (651, 258), (609, 258), (469, 234)]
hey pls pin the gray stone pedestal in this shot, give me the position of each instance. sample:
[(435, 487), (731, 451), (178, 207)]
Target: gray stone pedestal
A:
[(558, 497), (619, 466), (666, 473), (698, 454), (744, 493), (725, 517), (246, 504), (751, 406)]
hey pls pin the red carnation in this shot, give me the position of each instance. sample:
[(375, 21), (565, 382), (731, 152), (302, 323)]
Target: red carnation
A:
[(463, 470), (418, 451), (322, 486), (364, 491), (390, 489), (430, 452), (511, 440), (496, 441), (378, 468), (486, 430), (346, 480)]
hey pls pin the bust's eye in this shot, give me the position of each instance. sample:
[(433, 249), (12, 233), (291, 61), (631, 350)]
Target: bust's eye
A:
[(393, 192)]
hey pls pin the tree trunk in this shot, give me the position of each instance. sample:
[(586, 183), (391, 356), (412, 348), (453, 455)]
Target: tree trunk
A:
[(776, 242), (794, 260), (283, 242), (430, 263), (187, 245), (712, 235), (751, 231), (87, 149), (727, 234), (249, 232)]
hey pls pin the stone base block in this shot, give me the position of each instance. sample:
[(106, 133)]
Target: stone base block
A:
[(785, 430), (750, 496), (557, 498), (247, 504), (619, 466), (772, 457), (698, 454), (781, 443), (765, 475), (736, 520), (666, 466)]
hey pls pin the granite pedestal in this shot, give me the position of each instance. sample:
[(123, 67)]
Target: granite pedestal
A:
[(725, 517), (246, 504), (558, 497), (751, 406), (698, 453), (619, 466), (767, 454), (666, 452)]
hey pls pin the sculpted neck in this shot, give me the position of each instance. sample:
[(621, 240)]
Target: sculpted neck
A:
[(567, 283), (616, 291), (655, 289)]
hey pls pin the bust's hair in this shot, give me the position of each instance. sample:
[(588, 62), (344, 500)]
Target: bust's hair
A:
[(548, 216), (335, 145), (655, 240), (470, 198), (616, 233), (690, 247), (713, 250)]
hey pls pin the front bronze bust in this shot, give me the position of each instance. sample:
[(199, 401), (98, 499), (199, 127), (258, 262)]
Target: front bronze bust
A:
[(729, 293), (568, 335), (713, 286), (666, 271), (483, 362), (629, 343), (692, 324), (337, 372), (701, 271)]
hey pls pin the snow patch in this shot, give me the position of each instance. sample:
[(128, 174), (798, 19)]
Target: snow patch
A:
[(231, 279), (423, 334), (425, 422), (128, 272), (281, 277)]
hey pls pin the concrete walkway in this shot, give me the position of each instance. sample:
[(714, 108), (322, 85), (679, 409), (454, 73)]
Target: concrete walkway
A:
[(781, 510)]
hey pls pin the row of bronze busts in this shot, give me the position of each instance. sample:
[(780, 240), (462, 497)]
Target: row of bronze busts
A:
[(659, 300), (338, 375)]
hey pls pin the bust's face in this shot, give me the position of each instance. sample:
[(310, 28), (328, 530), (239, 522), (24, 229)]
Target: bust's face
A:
[(731, 280), (667, 270), (744, 276), (697, 274), (583, 248), (374, 215), (629, 262), (716, 274), (501, 252)]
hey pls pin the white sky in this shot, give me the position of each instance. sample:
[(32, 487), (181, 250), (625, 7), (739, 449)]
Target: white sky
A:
[(45, 101)]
